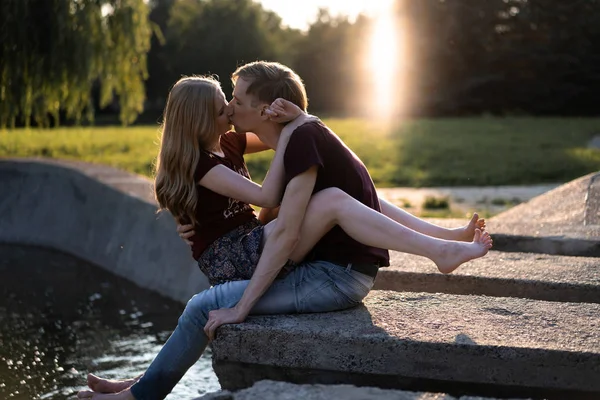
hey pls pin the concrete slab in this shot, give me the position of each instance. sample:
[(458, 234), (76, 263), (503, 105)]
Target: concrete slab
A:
[(444, 343), (533, 276), (553, 223), (592, 203), (273, 390), (100, 215)]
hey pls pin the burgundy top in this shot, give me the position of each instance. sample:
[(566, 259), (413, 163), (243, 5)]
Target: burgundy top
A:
[(314, 144), (217, 214)]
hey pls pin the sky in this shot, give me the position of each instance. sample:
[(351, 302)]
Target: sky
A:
[(300, 13)]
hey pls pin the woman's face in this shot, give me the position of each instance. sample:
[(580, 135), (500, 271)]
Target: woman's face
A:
[(222, 114)]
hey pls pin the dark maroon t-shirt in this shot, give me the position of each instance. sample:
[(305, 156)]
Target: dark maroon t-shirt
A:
[(219, 214), (315, 144)]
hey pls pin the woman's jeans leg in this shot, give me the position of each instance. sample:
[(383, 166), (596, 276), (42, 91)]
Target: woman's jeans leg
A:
[(310, 287)]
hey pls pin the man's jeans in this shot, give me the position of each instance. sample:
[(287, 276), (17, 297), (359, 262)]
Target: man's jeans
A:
[(309, 287)]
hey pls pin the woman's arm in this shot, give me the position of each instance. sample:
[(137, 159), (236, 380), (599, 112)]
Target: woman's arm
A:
[(226, 182), (267, 215), (254, 144)]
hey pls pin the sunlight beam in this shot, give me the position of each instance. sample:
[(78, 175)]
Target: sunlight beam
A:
[(385, 52)]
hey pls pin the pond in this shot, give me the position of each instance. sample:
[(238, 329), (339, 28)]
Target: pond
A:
[(61, 318)]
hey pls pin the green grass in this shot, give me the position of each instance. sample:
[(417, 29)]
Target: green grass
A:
[(471, 151)]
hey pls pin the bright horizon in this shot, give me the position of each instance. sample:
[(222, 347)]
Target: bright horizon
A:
[(383, 50), (300, 15)]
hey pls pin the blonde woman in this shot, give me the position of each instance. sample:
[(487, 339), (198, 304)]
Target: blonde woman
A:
[(199, 162)]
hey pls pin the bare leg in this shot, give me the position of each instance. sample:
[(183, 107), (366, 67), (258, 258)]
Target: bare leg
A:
[(464, 233), (332, 207), (100, 385)]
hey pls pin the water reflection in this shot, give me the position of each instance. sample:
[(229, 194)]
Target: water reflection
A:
[(61, 318)]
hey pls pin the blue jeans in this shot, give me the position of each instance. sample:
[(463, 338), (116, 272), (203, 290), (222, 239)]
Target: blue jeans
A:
[(310, 287)]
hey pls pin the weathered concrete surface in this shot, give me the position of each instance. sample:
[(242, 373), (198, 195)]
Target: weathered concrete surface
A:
[(428, 342), (562, 221), (592, 203), (100, 215), (534, 276), (273, 390)]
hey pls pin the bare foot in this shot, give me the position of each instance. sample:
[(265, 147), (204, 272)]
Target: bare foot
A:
[(455, 253), (88, 394), (100, 385), (467, 232)]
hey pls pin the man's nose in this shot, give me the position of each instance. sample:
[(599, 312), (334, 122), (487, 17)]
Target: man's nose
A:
[(229, 108)]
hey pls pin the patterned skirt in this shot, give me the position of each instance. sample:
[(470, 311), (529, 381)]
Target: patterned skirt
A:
[(233, 257)]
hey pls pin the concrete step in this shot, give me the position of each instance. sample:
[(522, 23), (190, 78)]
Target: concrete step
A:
[(564, 221), (272, 390), (477, 345), (533, 276)]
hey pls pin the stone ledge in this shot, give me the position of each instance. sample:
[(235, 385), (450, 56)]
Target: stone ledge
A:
[(427, 342), (273, 390), (558, 222), (534, 276), (100, 215)]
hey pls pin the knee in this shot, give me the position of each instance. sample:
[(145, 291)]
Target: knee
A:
[(331, 200), (197, 308)]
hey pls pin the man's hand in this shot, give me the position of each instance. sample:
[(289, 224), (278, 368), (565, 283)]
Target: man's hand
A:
[(186, 232), (220, 317)]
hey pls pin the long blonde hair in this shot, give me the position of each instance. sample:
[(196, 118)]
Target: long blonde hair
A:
[(188, 127)]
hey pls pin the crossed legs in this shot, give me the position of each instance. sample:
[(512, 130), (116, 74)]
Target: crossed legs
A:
[(332, 206)]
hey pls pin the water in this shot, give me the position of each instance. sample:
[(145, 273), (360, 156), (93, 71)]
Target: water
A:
[(61, 318)]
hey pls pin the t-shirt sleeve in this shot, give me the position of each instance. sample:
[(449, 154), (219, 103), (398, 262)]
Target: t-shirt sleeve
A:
[(205, 164), (235, 141), (303, 151)]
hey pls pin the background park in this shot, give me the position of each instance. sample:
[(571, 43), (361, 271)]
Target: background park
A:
[(429, 94)]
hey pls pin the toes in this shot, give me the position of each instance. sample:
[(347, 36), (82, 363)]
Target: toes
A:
[(85, 394), (474, 218), (477, 235), (92, 381)]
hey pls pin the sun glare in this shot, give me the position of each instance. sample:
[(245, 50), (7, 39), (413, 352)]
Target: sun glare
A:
[(384, 60)]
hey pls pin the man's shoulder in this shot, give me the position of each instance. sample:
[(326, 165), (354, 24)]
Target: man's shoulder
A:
[(309, 132), (311, 127)]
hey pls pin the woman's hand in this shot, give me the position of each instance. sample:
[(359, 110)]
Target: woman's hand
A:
[(282, 110)]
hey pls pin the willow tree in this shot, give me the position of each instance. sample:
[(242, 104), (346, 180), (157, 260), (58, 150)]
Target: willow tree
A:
[(53, 52)]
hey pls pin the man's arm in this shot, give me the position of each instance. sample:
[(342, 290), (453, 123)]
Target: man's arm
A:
[(277, 250)]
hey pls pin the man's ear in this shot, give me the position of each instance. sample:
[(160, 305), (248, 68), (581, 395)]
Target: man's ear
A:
[(263, 115)]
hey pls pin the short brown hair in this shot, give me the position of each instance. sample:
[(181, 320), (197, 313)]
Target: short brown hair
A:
[(271, 80)]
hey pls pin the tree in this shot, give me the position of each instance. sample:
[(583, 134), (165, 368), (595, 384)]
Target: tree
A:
[(214, 36), (53, 52), (329, 59)]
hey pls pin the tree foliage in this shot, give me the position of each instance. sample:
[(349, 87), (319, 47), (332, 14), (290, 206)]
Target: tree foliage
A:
[(63, 58), (53, 52), (211, 37), (503, 56)]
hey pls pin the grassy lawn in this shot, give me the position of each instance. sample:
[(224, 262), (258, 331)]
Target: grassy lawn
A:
[(441, 152)]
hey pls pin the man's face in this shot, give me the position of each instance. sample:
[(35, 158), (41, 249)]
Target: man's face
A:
[(245, 109)]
